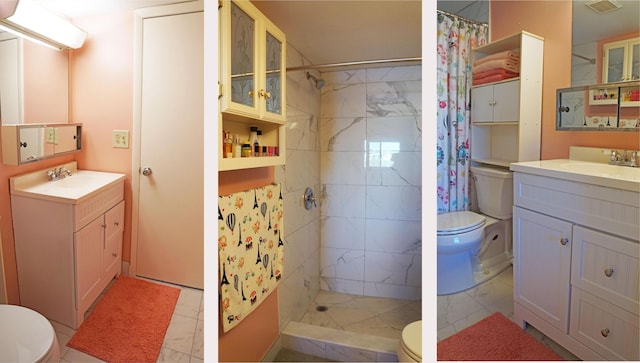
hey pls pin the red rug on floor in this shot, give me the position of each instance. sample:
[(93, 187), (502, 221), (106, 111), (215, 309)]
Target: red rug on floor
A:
[(495, 338), (129, 322)]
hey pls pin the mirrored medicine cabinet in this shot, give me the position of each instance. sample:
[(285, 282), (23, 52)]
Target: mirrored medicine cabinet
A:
[(26, 143), (601, 107)]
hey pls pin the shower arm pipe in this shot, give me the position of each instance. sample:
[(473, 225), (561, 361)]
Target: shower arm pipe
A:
[(591, 60), (359, 63)]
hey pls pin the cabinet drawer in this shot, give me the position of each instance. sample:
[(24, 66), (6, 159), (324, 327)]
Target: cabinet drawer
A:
[(96, 205), (606, 266), (605, 328), (610, 210)]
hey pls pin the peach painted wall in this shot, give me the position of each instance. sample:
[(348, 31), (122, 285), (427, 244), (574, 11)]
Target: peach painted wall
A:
[(251, 340), (552, 21), (101, 85)]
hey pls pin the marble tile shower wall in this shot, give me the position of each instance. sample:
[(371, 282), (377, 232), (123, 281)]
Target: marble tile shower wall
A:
[(370, 170), (301, 277)]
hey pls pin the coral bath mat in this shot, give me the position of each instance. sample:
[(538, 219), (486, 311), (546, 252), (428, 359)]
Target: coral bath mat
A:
[(129, 323), (495, 338)]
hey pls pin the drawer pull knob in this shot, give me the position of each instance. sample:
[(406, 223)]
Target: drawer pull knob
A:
[(608, 272), (114, 254), (564, 241), (604, 332)]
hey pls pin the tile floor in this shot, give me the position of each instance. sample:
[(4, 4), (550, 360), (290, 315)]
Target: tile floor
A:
[(363, 314), (183, 342), (458, 311)]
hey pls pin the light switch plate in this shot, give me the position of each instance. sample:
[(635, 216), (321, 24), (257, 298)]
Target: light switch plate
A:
[(120, 138)]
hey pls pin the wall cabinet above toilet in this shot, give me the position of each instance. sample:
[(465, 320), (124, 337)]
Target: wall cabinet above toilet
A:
[(506, 116)]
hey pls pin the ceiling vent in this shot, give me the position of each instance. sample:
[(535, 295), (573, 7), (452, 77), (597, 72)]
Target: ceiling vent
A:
[(603, 6)]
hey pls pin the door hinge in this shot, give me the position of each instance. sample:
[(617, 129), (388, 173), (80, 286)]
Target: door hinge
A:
[(219, 4), (220, 90)]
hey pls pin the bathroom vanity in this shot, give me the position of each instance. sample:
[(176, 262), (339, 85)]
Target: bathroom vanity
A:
[(68, 239), (576, 249)]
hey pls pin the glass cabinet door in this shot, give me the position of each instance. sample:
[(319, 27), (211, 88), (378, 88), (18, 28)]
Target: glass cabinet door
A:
[(243, 73), (635, 61), (614, 63), (273, 85)]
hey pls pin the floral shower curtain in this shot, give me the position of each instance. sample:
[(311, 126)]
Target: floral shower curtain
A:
[(456, 39)]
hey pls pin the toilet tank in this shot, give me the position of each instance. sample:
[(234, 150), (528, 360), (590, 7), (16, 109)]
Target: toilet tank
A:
[(494, 190)]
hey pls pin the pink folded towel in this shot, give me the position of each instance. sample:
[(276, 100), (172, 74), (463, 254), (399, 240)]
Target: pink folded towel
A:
[(508, 64), (507, 54)]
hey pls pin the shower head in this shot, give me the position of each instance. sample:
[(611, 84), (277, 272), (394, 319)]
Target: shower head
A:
[(319, 82)]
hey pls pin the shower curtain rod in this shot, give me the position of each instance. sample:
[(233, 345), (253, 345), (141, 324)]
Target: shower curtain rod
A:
[(461, 17), (360, 63), (591, 60)]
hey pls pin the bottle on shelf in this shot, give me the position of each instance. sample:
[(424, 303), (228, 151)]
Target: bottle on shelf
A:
[(253, 139), (237, 147), (228, 145), (257, 144)]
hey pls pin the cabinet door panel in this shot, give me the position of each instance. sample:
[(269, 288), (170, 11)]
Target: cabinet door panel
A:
[(274, 74), (88, 250), (243, 64), (542, 265), (481, 104), (506, 101)]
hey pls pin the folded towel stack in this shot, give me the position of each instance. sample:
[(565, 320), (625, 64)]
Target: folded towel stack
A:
[(496, 67)]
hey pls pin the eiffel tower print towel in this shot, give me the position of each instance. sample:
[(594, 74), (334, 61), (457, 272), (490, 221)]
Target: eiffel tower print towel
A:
[(250, 250)]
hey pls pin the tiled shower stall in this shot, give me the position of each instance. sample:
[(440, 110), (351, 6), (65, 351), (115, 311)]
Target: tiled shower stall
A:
[(357, 143)]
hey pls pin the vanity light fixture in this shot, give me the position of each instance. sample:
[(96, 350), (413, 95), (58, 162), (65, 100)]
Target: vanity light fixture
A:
[(28, 19)]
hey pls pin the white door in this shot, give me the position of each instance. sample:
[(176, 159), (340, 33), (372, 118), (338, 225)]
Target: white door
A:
[(167, 233)]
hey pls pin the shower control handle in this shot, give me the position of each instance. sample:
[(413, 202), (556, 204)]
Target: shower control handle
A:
[(309, 199)]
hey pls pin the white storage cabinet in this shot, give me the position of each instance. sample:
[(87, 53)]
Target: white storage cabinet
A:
[(506, 116)]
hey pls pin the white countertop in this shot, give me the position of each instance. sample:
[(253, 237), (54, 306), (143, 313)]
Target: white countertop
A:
[(72, 189), (611, 176)]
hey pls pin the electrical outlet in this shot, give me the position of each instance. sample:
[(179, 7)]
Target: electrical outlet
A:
[(120, 138), (51, 135)]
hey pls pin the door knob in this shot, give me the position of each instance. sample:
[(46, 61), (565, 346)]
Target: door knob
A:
[(564, 241), (146, 171)]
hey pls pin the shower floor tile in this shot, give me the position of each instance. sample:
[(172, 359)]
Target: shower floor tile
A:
[(377, 316)]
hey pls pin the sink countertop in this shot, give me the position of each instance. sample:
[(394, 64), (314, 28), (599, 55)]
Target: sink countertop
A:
[(602, 174), (72, 189)]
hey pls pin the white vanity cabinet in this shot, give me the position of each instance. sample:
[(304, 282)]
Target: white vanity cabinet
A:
[(506, 116), (576, 250), (68, 241)]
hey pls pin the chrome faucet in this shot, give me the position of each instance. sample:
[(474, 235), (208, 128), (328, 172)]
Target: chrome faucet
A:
[(59, 173), (624, 158)]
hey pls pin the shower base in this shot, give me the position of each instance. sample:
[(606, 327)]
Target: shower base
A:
[(352, 327)]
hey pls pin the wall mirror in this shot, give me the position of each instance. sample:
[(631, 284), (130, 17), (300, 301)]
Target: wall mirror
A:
[(34, 82), (26, 143), (600, 107), (590, 103)]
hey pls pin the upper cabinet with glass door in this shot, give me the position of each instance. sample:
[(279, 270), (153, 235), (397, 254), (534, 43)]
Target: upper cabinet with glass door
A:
[(621, 61), (252, 64)]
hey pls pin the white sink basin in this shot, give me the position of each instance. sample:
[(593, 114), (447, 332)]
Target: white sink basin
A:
[(612, 176), (72, 189)]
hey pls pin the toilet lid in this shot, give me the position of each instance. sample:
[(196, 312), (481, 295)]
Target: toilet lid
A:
[(459, 222), (25, 335), (412, 339)]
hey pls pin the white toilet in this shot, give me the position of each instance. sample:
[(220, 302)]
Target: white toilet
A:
[(410, 347), (465, 237), (26, 336)]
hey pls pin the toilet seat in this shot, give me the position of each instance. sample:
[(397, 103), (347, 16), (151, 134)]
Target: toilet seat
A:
[(411, 341), (26, 336), (459, 222)]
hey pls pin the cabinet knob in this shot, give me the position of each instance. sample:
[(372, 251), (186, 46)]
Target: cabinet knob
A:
[(114, 254), (265, 94), (604, 332), (564, 241), (250, 93), (116, 223), (608, 272)]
